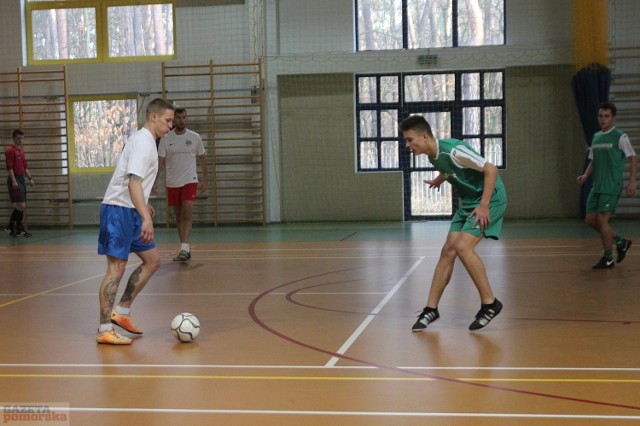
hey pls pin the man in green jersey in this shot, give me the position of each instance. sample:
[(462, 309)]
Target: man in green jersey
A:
[(482, 208), (609, 149)]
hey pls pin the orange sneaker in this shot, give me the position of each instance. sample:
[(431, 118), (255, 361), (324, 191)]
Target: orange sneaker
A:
[(112, 337), (125, 322)]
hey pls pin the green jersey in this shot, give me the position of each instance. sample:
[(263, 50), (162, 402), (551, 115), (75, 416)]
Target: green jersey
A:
[(462, 166), (608, 153)]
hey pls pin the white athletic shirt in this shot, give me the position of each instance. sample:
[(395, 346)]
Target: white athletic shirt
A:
[(139, 157), (180, 152)]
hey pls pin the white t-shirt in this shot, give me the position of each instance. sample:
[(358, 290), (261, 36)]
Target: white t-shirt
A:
[(139, 157), (180, 152)]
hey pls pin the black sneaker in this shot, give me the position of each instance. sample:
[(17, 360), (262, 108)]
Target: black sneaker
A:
[(604, 263), (485, 315), (428, 316), (622, 249), (23, 232)]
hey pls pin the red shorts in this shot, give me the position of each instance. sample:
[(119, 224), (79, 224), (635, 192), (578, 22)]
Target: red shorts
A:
[(175, 196)]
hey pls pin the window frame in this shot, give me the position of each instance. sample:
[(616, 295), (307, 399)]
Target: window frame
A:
[(455, 107), (102, 27), (72, 162), (455, 30)]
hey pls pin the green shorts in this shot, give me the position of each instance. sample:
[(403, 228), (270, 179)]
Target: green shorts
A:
[(461, 222), (600, 203)]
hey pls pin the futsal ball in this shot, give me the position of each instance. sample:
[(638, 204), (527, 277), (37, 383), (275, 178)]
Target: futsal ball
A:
[(185, 327)]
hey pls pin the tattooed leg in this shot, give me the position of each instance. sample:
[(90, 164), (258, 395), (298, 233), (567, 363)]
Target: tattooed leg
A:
[(133, 288), (141, 276), (109, 288)]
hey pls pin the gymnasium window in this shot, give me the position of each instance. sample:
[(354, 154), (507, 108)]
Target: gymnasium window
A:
[(100, 128), (423, 24), (467, 105), (67, 31)]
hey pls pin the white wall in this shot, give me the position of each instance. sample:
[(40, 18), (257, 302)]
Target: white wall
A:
[(300, 37), (311, 26)]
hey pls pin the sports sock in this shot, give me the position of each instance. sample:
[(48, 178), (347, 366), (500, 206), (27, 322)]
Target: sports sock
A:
[(185, 247), (14, 215), (608, 254), (618, 239), (122, 311), (20, 216), (105, 327)]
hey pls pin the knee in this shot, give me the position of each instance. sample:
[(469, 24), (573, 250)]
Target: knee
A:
[(116, 270), (153, 264), (448, 251)]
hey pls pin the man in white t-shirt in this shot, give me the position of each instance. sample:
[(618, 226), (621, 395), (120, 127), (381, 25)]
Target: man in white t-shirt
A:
[(126, 224), (177, 154)]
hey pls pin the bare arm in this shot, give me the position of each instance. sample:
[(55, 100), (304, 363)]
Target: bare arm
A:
[(631, 187), (482, 211), (162, 161), (583, 177), (204, 171)]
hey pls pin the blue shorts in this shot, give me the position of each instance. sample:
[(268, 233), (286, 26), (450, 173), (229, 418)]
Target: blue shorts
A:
[(120, 230)]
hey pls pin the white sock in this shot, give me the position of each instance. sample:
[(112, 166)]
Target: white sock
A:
[(185, 247), (122, 311), (105, 327)]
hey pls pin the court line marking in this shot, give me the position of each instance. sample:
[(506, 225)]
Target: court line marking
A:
[(260, 322), (354, 336), (42, 293), (315, 367), (302, 378), (351, 413)]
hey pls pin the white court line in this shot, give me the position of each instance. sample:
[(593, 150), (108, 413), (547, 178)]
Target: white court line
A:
[(347, 344), (350, 413), (346, 293), (316, 367)]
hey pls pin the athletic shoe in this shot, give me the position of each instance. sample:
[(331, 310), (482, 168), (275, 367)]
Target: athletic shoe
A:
[(485, 315), (112, 337), (9, 230), (604, 263), (125, 322), (428, 316), (622, 249), (182, 256), (23, 232)]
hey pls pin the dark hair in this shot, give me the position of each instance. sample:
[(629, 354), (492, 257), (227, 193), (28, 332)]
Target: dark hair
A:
[(180, 111), (610, 106), (158, 105), (17, 132), (417, 123)]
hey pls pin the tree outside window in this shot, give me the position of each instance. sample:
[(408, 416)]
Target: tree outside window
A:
[(99, 31), (100, 129), (423, 24)]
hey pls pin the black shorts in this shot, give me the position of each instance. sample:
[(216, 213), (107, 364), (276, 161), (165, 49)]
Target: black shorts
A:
[(19, 194)]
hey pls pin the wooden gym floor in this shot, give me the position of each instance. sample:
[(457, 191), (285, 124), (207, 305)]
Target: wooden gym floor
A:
[(311, 325)]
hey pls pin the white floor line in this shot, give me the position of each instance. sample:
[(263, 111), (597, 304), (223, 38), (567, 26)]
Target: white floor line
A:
[(316, 367), (347, 344), (350, 413)]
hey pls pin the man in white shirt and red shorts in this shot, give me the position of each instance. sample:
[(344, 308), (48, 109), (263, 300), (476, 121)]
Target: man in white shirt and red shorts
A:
[(177, 154)]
